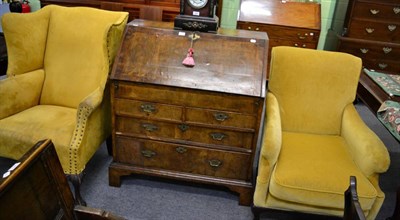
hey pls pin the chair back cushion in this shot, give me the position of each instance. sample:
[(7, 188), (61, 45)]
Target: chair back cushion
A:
[(313, 87), (77, 59), (26, 36)]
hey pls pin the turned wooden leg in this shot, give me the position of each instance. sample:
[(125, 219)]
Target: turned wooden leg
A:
[(76, 180), (109, 145)]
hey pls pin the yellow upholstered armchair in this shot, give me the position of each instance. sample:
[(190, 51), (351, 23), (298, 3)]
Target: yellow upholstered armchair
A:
[(59, 59), (314, 139)]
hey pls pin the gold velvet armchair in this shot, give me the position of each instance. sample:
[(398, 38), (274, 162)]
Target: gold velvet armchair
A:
[(314, 139), (59, 59)]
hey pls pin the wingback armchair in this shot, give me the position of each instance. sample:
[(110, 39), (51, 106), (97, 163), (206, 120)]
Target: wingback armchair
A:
[(314, 139), (59, 59)]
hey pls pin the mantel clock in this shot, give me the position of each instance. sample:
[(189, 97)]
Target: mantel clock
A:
[(197, 15)]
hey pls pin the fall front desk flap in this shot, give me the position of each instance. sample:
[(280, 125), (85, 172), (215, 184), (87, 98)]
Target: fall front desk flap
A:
[(155, 53)]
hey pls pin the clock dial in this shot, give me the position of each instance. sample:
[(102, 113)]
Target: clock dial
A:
[(197, 4)]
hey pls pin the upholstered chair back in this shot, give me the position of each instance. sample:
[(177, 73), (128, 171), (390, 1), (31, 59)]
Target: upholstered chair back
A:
[(309, 107), (71, 60)]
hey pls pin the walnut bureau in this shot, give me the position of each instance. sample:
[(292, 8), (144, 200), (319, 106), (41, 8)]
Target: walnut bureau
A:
[(199, 124), (287, 23)]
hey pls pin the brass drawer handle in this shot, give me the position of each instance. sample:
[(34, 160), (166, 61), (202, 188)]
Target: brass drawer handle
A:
[(387, 50), (396, 10), (149, 127), (364, 50), (382, 65), (257, 29), (374, 11), (304, 45), (215, 163), (301, 37), (181, 149), (218, 136), (219, 116), (149, 108), (183, 127), (392, 27), (369, 30), (148, 153), (249, 27), (296, 45)]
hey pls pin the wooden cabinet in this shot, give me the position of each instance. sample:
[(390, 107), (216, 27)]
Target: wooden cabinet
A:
[(169, 8), (198, 123), (286, 23), (371, 31)]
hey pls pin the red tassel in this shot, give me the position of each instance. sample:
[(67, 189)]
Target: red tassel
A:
[(189, 61)]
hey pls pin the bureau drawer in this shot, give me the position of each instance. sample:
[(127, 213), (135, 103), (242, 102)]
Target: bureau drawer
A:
[(221, 118), (147, 109), (379, 10), (188, 97), (182, 158), (284, 42), (371, 50), (277, 32), (382, 65), (370, 30), (182, 132)]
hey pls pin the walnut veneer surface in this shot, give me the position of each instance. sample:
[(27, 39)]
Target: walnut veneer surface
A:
[(197, 124), (287, 24)]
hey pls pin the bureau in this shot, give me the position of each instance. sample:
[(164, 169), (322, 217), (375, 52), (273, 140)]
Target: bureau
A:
[(287, 23), (371, 31), (198, 124)]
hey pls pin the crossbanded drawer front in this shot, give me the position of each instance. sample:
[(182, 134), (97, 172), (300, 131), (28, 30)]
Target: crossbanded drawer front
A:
[(221, 118), (274, 31), (382, 65), (376, 10), (187, 97), (298, 43), (136, 108), (182, 158), (368, 30), (176, 132), (372, 50)]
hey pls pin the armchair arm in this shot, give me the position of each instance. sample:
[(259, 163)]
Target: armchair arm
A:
[(270, 148), (20, 92), (368, 151)]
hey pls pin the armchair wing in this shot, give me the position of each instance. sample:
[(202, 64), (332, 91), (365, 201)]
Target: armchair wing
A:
[(59, 61)]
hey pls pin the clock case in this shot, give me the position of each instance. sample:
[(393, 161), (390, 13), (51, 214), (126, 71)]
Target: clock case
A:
[(203, 19)]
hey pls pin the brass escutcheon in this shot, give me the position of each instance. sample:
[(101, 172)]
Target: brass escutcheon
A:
[(392, 27), (382, 65), (369, 30), (218, 136), (148, 153), (149, 127), (219, 116), (180, 149), (387, 50), (364, 50), (183, 127), (215, 163), (374, 11), (149, 108)]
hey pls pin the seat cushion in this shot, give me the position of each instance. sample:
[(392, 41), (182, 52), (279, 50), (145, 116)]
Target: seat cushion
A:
[(21, 131), (315, 170)]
